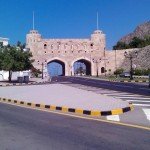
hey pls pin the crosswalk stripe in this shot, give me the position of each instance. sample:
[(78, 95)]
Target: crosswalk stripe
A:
[(145, 105), (113, 118), (138, 101), (134, 97), (147, 113)]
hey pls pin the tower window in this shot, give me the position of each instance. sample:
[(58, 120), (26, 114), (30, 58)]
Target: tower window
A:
[(71, 46), (102, 70), (45, 52), (45, 46)]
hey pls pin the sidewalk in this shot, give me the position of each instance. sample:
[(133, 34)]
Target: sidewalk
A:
[(62, 95), (31, 81)]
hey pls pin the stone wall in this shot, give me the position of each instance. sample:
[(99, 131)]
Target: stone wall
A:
[(68, 51), (142, 61)]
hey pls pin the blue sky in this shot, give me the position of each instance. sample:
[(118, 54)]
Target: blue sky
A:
[(72, 18)]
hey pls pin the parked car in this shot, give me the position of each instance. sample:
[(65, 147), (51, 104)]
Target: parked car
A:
[(125, 74)]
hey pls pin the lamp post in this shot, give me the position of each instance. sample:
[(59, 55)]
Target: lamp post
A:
[(97, 61), (42, 69), (42, 64), (131, 56), (105, 64)]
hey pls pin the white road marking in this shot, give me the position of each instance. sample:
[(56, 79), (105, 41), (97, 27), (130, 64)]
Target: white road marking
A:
[(147, 113), (113, 118), (134, 97), (141, 101), (141, 104)]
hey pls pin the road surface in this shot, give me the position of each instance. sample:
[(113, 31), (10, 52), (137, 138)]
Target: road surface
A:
[(23, 129)]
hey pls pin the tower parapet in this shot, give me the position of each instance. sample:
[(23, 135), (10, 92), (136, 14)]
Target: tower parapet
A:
[(32, 38), (98, 38)]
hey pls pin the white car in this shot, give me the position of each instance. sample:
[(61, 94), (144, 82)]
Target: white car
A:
[(125, 74)]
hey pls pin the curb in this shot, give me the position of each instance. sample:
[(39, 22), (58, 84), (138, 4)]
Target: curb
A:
[(132, 81), (70, 110), (24, 84)]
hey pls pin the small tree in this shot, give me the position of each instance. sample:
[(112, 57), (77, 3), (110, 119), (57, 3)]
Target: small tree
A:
[(13, 58), (35, 72), (118, 71)]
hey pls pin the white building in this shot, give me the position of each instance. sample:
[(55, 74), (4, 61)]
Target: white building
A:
[(4, 41), (5, 74)]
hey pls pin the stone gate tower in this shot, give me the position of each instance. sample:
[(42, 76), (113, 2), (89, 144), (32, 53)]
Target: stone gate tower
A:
[(66, 52)]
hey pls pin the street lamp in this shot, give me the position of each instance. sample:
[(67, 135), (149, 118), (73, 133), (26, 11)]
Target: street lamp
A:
[(131, 56), (105, 64), (97, 61)]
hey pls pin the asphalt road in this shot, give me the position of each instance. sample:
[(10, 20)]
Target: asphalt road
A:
[(27, 129), (117, 86)]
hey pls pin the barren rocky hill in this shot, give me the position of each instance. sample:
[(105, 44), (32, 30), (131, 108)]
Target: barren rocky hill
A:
[(141, 31)]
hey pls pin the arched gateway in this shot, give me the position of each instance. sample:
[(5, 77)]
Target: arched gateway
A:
[(68, 52)]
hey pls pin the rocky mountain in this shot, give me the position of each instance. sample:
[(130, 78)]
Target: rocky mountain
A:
[(141, 31)]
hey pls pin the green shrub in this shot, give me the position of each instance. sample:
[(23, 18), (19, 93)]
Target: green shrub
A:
[(140, 72), (118, 71)]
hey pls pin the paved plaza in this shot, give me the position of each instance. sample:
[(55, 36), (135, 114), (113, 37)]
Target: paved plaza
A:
[(62, 95)]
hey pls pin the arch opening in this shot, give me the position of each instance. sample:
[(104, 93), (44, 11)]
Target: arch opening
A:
[(82, 67), (56, 68), (102, 70)]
